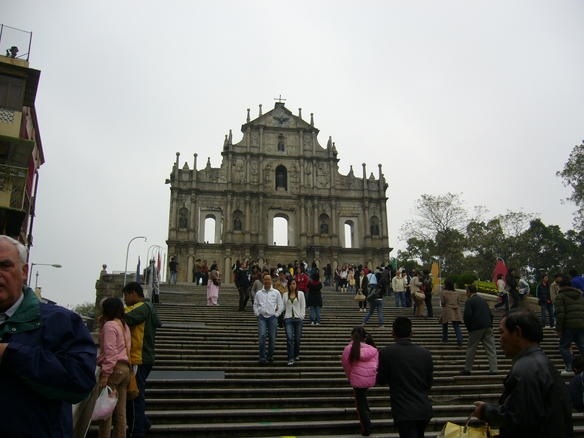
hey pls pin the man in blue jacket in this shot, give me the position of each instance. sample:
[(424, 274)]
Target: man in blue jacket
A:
[(47, 356)]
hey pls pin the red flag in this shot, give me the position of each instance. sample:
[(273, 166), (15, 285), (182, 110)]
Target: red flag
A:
[(500, 269)]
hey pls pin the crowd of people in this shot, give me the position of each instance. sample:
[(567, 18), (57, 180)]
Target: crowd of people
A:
[(48, 358)]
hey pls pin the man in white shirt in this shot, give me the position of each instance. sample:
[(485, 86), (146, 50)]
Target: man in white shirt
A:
[(267, 306), (399, 289)]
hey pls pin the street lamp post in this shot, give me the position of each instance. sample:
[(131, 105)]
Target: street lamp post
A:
[(127, 251), (32, 265)]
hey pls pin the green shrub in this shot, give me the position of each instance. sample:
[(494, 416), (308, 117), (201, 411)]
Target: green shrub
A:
[(464, 279)]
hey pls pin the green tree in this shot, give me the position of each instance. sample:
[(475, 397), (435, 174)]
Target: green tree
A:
[(573, 176), (546, 248), (485, 242), (85, 309)]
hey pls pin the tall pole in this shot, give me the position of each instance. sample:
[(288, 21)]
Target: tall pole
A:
[(127, 251), (32, 265)]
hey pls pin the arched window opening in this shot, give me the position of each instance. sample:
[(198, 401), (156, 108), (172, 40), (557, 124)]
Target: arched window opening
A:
[(237, 221), (324, 224), (210, 224), (183, 217), (349, 234), (374, 226), (281, 178), (280, 230), (281, 143)]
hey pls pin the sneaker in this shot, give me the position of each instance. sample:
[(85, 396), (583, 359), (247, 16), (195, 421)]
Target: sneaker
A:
[(297, 358), (290, 363), (567, 373), (318, 323), (312, 323)]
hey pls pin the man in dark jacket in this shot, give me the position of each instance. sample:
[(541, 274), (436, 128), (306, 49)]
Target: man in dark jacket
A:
[(478, 320), (47, 356), (569, 307), (243, 285), (407, 369), (535, 402)]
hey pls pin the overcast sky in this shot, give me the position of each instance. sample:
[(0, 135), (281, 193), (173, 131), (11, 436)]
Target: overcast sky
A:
[(482, 98)]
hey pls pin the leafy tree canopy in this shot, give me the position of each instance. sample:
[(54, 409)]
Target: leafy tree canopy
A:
[(573, 176)]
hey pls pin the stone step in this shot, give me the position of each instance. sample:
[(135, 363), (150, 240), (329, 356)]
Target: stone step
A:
[(207, 382)]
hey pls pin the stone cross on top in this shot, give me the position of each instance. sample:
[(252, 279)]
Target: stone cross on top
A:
[(280, 99)]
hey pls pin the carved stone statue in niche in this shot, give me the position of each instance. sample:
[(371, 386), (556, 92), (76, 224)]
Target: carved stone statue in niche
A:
[(183, 217), (237, 223), (322, 175)]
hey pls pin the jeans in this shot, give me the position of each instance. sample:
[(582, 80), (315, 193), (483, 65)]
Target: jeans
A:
[(547, 313), (267, 327), (173, 277), (362, 406), (400, 299), (315, 314), (293, 337), (243, 297), (377, 304), (457, 332), (569, 336), (138, 423)]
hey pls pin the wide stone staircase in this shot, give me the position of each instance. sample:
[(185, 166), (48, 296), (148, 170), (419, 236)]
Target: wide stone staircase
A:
[(207, 381)]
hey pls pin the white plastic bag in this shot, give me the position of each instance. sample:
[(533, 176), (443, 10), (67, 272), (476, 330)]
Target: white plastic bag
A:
[(105, 404)]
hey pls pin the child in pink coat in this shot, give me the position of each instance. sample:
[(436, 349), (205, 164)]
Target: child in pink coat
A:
[(360, 359)]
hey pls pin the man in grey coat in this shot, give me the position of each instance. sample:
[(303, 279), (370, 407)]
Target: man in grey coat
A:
[(478, 320)]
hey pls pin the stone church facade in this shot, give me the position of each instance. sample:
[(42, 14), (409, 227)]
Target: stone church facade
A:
[(277, 172)]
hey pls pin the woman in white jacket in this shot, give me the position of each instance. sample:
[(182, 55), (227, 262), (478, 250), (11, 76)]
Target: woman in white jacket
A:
[(360, 359), (295, 310)]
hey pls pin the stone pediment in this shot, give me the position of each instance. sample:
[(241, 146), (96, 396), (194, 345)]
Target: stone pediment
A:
[(280, 117)]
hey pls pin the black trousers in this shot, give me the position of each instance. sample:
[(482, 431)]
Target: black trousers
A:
[(362, 406)]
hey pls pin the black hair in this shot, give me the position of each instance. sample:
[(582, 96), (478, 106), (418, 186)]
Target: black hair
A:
[(578, 363), (112, 308), (358, 335), (528, 323), (449, 284), (471, 289), (565, 280), (402, 327), (133, 286)]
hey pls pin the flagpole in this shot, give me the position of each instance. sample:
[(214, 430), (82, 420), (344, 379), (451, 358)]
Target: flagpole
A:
[(127, 251)]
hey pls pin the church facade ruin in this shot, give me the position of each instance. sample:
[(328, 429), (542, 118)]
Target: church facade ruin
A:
[(277, 177)]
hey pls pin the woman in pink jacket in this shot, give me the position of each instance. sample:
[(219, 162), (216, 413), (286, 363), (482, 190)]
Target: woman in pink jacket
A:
[(113, 358), (360, 359)]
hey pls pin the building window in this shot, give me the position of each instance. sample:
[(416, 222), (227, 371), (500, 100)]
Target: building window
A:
[(281, 178), (11, 93), (281, 143)]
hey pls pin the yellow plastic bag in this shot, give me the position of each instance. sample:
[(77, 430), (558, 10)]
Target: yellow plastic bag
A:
[(452, 430)]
